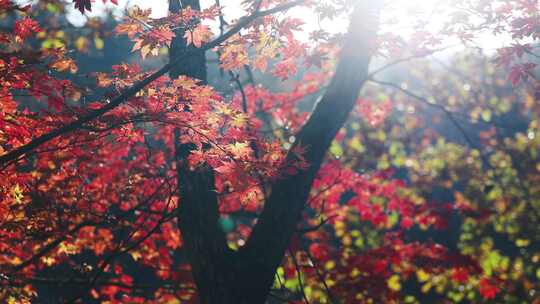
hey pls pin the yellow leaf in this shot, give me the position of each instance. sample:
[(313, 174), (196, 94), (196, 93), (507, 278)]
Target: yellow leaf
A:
[(17, 194), (393, 283), (240, 150), (81, 44), (522, 242), (426, 287), (48, 261), (136, 255), (422, 275), (64, 65), (67, 248), (239, 120), (145, 50), (98, 42), (486, 115), (330, 265)]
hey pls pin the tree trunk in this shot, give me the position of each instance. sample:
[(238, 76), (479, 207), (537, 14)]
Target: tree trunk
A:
[(282, 211), (198, 215), (225, 276)]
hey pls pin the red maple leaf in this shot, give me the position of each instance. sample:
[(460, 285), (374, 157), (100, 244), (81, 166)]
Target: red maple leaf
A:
[(487, 289), (83, 5)]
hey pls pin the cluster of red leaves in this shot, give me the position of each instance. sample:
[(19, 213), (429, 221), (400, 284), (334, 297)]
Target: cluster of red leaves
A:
[(109, 189), (488, 289), (374, 113), (25, 28), (98, 187), (373, 268), (24, 75), (374, 198), (359, 271), (150, 35)]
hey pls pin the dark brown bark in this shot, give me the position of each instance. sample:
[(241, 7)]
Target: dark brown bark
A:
[(246, 276), (195, 66), (198, 214)]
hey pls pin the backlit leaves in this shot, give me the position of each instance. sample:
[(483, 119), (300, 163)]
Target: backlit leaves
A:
[(108, 190), (198, 35)]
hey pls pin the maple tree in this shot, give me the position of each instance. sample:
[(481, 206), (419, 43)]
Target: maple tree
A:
[(408, 185)]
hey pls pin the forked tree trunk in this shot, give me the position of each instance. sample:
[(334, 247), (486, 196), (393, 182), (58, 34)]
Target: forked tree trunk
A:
[(224, 276)]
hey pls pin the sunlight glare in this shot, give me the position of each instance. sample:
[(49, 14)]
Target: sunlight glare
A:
[(399, 17)]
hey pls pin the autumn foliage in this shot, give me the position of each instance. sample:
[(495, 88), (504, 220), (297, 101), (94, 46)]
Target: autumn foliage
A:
[(429, 193)]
